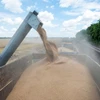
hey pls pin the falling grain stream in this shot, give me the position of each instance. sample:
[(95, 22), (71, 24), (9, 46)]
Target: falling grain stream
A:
[(54, 78)]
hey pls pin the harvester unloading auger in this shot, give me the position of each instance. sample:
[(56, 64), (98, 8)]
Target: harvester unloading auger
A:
[(31, 21)]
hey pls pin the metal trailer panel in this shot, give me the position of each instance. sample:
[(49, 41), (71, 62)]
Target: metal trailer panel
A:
[(9, 74)]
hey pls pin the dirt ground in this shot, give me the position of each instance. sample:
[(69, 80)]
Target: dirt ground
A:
[(27, 44), (63, 49), (63, 79), (26, 47)]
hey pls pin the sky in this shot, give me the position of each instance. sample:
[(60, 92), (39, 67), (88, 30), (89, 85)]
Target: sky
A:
[(61, 18)]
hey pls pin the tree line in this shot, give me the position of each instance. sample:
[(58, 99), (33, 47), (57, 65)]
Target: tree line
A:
[(92, 33)]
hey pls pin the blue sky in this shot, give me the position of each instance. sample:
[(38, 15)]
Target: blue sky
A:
[(61, 18)]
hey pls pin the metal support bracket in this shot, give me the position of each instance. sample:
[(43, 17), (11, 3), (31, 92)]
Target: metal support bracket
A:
[(34, 21)]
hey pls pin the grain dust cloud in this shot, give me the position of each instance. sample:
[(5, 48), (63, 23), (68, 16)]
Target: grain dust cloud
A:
[(54, 78)]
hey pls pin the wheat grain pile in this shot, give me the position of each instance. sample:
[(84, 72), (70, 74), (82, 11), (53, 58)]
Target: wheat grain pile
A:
[(63, 79)]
